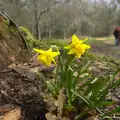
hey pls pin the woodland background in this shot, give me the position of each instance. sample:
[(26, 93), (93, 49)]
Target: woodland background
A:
[(62, 18)]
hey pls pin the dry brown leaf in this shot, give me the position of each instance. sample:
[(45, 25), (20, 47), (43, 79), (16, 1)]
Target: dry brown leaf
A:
[(51, 105), (49, 116), (12, 65), (6, 108), (102, 65), (98, 63), (93, 118), (61, 101), (1, 117), (64, 118), (14, 114)]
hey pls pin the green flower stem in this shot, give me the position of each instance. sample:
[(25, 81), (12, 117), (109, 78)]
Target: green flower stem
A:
[(57, 70), (69, 86), (69, 60), (61, 64), (61, 70), (67, 81), (56, 75)]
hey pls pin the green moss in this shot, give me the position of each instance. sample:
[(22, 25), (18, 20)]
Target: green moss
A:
[(6, 22), (3, 28), (29, 37), (43, 44), (12, 30)]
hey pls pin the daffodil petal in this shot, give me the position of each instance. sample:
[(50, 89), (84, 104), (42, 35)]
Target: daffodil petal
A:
[(50, 50), (78, 55), (38, 51), (72, 51), (86, 46), (54, 61), (85, 40), (42, 59), (54, 54), (67, 47), (80, 50), (48, 61), (75, 39)]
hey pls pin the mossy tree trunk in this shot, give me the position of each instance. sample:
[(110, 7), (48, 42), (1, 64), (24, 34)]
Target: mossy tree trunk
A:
[(12, 44)]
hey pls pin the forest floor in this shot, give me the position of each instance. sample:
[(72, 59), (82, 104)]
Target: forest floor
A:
[(106, 46)]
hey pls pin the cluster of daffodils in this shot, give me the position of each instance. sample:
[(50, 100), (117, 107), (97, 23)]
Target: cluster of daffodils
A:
[(77, 47)]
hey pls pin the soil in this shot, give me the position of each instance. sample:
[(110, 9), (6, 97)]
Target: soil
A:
[(21, 86)]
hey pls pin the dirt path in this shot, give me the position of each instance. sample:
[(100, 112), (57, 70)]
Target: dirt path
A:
[(106, 47)]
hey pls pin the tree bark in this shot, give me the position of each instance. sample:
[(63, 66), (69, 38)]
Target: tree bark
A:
[(37, 29), (50, 32)]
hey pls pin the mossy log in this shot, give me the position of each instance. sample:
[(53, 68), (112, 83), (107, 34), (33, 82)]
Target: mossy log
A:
[(12, 43)]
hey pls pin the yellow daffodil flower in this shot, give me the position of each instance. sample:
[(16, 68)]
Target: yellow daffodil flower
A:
[(77, 46), (46, 57)]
